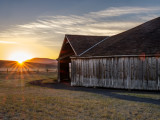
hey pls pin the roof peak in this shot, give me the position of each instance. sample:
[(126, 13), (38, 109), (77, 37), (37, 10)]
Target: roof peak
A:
[(84, 35)]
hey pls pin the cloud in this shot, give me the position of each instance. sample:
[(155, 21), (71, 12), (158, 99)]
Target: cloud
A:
[(7, 42), (113, 11), (50, 30)]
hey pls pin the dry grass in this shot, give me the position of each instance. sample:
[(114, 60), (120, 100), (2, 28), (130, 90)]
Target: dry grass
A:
[(19, 100)]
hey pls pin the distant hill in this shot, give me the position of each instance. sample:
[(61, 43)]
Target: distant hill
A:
[(35, 63), (7, 63), (42, 61)]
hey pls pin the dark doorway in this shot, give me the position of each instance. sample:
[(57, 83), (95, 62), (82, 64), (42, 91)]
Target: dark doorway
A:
[(64, 69)]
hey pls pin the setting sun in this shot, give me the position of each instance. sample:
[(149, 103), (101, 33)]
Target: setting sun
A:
[(20, 57)]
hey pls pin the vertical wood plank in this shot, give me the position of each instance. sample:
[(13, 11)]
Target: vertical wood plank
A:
[(124, 72)]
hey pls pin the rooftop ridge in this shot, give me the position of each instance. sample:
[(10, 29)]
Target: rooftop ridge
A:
[(93, 46)]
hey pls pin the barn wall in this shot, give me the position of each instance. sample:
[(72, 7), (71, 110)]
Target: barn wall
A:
[(117, 72)]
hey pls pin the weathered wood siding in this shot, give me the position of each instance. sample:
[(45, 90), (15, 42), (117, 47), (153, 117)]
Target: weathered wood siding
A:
[(116, 72)]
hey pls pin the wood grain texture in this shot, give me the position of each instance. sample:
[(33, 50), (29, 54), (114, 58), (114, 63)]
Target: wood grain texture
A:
[(117, 72)]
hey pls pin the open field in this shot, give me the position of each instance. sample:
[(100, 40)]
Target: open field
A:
[(37, 96)]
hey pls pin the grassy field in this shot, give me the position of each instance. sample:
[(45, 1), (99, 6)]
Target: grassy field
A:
[(50, 100)]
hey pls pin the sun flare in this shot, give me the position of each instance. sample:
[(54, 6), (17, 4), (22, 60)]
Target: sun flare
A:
[(20, 57)]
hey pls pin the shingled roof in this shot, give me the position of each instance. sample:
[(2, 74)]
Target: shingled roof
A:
[(80, 43), (74, 45), (143, 39)]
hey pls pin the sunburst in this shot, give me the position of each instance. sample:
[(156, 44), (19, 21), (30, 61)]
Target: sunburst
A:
[(20, 57)]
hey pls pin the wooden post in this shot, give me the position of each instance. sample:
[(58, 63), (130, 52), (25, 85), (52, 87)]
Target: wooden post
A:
[(7, 70), (58, 71)]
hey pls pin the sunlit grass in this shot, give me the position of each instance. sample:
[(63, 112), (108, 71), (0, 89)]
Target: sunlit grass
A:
[(20, 100)]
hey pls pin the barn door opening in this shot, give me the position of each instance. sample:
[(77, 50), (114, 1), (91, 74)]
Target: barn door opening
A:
[(64, 69)]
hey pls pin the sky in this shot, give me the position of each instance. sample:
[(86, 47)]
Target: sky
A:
[(36, 28)]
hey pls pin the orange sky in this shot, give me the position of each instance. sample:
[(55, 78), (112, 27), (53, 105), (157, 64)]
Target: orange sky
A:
[(9, 51)]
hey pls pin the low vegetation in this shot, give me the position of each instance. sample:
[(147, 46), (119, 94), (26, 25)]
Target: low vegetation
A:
[(21, 100)]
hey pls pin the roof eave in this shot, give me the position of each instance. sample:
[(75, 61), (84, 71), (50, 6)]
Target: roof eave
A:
[(111, 56), (70, 45)]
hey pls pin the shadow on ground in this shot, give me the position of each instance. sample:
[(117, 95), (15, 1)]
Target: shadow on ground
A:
[(103, 91)]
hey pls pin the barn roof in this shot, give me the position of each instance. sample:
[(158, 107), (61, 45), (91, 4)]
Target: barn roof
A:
[(143, 39), (75, 45), (80, 43)]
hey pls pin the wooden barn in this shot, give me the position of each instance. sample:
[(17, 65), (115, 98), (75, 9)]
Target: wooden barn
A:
[(129, 60), (74, 45)]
